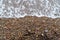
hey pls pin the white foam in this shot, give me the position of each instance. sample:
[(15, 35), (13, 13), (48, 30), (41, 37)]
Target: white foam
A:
[(1, 9), (37, 9)]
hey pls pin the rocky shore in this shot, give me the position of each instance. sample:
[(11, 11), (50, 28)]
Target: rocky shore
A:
[(30, 28)]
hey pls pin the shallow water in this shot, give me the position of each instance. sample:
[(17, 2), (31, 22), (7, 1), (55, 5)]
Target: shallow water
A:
[(22, 8)]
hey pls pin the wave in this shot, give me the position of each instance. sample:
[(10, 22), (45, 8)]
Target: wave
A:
[(22, 8)]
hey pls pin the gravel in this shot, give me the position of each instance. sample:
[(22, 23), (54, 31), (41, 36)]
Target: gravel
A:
[(30, 28)]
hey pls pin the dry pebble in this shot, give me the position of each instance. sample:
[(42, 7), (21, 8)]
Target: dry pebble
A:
[(30, 28)]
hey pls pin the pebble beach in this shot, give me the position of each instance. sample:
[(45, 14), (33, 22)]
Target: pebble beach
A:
[(30, 28)]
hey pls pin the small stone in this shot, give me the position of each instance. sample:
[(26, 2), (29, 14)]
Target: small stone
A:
[(29, 30), (46, 30), (0, 25), (42, 34), (43, 20)]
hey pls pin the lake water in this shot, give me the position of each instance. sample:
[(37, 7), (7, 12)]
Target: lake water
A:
[(22, 8)]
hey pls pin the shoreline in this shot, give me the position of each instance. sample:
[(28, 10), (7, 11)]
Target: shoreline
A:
[(29, 16)]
